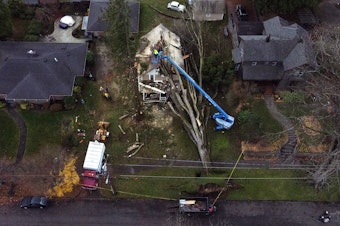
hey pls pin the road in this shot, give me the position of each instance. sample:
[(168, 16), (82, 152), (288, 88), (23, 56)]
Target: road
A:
[(125, 212)]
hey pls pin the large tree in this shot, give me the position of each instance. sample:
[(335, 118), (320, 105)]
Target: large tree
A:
[(323, 87), (5, 18), (187, 102)]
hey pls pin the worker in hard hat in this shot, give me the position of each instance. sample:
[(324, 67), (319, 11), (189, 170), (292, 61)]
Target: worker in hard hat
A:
[(155, 52)]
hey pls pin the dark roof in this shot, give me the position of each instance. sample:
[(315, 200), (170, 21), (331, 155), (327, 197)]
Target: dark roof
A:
[(27, 2), (97, 22), (250, 28), (37, 71), (262, 71), (281, 42)]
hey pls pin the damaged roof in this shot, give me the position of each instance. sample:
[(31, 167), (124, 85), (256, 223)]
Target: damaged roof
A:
[(171, 40), (37, 71)]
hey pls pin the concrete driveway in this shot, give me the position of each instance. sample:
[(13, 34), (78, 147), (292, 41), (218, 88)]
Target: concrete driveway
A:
[(65, 35)]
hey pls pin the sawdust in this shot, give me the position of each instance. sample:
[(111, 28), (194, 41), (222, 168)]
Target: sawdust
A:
[(310, 125)]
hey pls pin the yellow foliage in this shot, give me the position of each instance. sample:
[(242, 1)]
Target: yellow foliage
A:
[(68, 177)]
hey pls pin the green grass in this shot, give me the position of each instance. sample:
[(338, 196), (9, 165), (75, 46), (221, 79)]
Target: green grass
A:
[(9, 135), (257, 184)]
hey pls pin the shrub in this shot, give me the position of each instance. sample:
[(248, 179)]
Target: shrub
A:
[(56, 107), (31, 38), (89, 58), (70, 103), (34, 27)]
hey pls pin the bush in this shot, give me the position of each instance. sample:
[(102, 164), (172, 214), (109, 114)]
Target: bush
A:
[(89, 58), (34, 28), (70, 103), (2, 104), (56, 107), (31, 38)]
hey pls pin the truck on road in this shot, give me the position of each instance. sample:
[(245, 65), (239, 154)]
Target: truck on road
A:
[(93, 165), (196, 205)]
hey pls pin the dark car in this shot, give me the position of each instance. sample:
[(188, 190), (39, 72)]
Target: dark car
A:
[(34, 202), (62, 25)]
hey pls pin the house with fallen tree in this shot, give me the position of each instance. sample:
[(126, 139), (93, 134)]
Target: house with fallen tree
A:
[(152, 84)]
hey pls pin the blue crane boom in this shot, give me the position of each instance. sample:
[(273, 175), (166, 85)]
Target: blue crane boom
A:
[(222, 119)]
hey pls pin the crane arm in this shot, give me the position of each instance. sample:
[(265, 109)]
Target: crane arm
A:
[(222, 119)]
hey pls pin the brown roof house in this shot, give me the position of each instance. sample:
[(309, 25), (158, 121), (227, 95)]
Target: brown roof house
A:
[(152, 84), (276, 54), (39, 72), (95, 23), (208, 10)]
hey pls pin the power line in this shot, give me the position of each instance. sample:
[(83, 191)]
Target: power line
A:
[(215, 178)]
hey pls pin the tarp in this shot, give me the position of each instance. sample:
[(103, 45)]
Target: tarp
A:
[(94, 156), (68, 20)]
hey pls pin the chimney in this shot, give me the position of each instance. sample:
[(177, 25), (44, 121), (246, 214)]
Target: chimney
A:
[(268, 38)]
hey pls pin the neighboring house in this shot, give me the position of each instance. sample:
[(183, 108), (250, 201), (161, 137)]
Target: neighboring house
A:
[(96, 23), (208, 10), (153, 85), (281, 48), (39, 72)]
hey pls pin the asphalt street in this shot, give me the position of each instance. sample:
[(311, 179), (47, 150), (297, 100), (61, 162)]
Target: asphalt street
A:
[(160, 212)]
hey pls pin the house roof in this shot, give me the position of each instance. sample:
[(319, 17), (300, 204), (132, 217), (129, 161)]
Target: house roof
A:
[(171, 40), (97, 23), (36, 70), (281, 42), (208, 10)]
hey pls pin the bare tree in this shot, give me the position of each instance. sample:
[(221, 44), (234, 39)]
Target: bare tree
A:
[(184, 105), (323, 87)]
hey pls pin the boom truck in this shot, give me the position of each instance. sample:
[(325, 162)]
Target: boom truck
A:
[(94, 165), (222, 119)]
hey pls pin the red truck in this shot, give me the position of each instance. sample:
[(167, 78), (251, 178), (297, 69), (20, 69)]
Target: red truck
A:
[(93, 165)]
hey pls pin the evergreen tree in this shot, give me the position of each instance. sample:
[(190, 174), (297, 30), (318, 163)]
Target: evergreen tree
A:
[(6, 23), (118, 32), (284, 6)]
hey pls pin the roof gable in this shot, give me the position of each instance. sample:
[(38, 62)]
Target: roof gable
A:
[(286, 44)]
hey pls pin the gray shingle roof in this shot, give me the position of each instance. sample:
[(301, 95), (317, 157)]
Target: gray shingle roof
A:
[(49, 70), (97, 23), (288, 45)]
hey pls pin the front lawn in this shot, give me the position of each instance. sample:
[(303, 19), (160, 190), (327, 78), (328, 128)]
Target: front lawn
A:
[(9, 135)]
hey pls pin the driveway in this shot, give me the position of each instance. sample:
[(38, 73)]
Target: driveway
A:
[(64, 35)]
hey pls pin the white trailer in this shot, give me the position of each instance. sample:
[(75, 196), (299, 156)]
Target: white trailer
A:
[(94, 156)]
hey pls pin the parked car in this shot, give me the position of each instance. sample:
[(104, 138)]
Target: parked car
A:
[(34, 202), (62, 25), (176, 6), (66, 21), (241, 13)]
